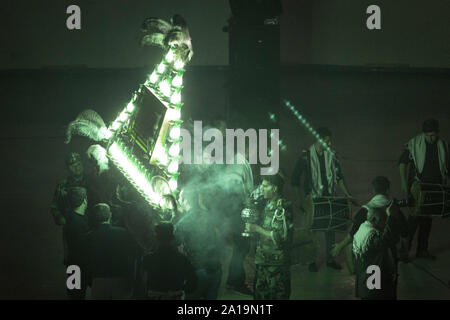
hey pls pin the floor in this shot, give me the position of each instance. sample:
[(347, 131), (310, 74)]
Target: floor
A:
[(418, 280)]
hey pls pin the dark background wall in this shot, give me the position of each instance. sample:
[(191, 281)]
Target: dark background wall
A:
[(34, 34)]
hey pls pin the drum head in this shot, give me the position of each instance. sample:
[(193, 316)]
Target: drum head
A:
[(331, 214)]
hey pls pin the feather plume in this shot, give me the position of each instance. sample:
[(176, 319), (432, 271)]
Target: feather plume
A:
[(98, 153), (88, 124)]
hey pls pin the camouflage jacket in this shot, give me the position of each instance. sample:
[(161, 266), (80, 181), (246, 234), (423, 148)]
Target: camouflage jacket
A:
[(278, 220)]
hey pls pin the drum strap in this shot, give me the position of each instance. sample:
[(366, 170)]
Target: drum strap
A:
[(278, 215)]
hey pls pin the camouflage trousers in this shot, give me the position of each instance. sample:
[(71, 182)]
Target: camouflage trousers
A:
[(272, 282)]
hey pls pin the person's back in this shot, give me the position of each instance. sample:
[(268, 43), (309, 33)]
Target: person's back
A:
[(112, 254), (168, 271), (371, 247), (75, 230), (197, 232)]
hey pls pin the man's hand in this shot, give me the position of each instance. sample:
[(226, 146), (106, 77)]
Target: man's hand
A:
[(335, 250), (392, 209), (250, 227)]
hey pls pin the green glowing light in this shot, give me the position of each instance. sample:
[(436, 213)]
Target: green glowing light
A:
[(153, 77), (175, 133), (177, 81), (173, 184), (161, 155), (174, 150), (173, 166), (137, 177), (105, 133), (130, 107), (307, 125), (123, 116), (176, 98), (115, 125), (173, 114), (161, 68), (169, 56), (164, 87), (179, 64)]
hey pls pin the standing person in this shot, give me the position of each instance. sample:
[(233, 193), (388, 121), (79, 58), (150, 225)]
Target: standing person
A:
[(235, 179), (60, 207), (274, 232), (427, 158), (197, 232), (168, 273), (322, 173), (75, 229), (112, 257), (382, 200), (371, 247)]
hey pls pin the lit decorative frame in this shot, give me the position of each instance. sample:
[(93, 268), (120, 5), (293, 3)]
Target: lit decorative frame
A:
[(149, 158)]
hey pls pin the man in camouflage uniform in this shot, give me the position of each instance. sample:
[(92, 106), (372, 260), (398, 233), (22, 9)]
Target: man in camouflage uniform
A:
[(60, 207), (274, 231)]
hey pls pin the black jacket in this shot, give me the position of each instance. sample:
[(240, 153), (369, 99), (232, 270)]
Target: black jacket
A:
[(111, 253)]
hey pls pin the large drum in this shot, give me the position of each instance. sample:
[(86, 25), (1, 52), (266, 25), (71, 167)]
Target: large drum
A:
[(430, 200), (328, 214)]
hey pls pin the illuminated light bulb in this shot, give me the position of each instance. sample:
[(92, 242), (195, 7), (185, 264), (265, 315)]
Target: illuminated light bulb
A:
[(115, 125), (130, 107), (173, 167), (105, 133), (176, 98), (155, 198), (161, 68), (177, 81), (173, 184), (179, 64), (303, 121), (173, 114), (164, 87), (153, 77), (123, 116), (169, 56), (161, 155), (175, 133), (174, 150)]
